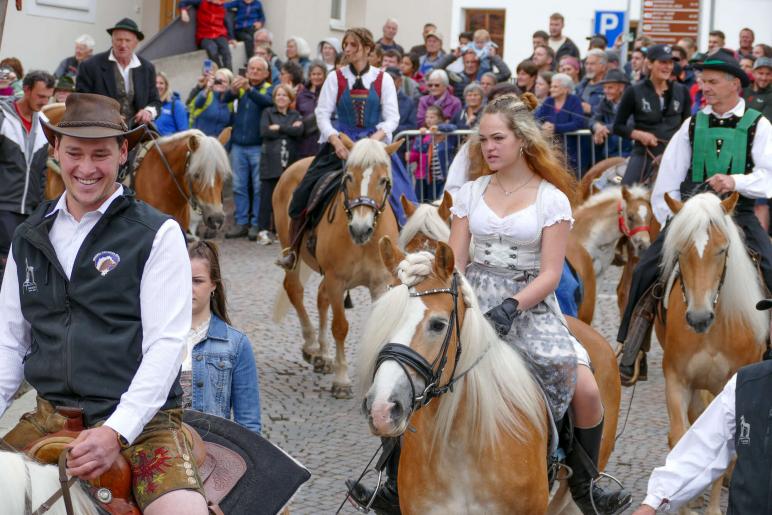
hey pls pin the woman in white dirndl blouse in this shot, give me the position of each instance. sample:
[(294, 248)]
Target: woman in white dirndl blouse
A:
[(520, 217)]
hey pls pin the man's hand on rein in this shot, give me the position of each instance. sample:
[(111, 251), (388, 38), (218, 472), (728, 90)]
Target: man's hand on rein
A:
[(93, 452), (722, 183)]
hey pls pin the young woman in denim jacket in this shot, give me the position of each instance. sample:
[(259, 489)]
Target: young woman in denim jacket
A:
[(218, 376)]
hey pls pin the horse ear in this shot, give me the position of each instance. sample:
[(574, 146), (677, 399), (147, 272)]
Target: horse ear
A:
[(390, 254), (346, 141), (594, 190), (445, 205), (390, 149), (443, 260), (407, 206), (730, 202), (674, 205), (193, 143), (625, 193)]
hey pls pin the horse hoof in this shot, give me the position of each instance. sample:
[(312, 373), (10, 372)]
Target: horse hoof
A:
[(342, 391), (308, 357), (322, 365)]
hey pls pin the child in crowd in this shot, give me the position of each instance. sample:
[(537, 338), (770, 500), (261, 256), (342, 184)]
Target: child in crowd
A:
[(282, 130), (211, 32), (432, 153), (218, 375), (209, 112), (484, 47), (249, 18), (173, 116)]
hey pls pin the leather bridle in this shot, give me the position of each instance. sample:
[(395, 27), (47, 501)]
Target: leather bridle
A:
[(720, 281), (621, 220), (432, 372), (190, 197), (350, 204)]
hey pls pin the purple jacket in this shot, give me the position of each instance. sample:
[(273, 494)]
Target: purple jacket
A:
[(450, 106), (305, 104)]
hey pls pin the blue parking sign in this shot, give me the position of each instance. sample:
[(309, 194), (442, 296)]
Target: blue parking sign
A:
[(609, 23)]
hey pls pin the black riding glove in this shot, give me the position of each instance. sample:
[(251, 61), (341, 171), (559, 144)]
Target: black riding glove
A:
[(503, 315)]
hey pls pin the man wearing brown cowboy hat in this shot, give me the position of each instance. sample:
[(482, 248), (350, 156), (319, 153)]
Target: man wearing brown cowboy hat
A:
[(94, 311), (726, 147), (121, 74)]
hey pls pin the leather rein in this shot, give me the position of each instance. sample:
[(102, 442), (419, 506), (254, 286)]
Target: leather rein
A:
[(64, 482), (432, 372), (622, 222)]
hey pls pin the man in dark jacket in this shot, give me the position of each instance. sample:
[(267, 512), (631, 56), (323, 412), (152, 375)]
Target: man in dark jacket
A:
[(472, 72), (121, 74), (602, 122), (759, 94), (253, 93), (562, 45), (23, 155), (407, 105)]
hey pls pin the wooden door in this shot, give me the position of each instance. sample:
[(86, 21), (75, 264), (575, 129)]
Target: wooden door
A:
[(168, 12), (491, 20)]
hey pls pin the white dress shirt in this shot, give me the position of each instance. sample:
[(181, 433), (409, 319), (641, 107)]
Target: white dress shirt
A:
[(700, 456), (678, 158), (125, 73), (328, 99), (165, 300)]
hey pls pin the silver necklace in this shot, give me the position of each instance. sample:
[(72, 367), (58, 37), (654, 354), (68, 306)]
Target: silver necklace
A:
[(508, 193)]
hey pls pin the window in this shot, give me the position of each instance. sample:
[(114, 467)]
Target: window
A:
[(75, 10), (338, 14)]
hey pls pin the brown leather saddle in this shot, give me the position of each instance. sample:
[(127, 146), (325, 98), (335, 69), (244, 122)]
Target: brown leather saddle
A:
[(220, 468)]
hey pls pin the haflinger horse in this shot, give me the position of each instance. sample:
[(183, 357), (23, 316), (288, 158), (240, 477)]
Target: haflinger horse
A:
[(711, 327), (431, 363), (174, 174), (346, 249), (426, 224)]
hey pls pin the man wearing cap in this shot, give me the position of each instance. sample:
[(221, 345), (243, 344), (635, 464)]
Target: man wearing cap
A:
[(604, 114), (726, 147), (658, 106), (63, 87), (759, 94), (735, 425), (434, 52), (121, 74), (94, 313)]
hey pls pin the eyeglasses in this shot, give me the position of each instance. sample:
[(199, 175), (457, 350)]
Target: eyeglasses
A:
[(218, 82), (434, 85)]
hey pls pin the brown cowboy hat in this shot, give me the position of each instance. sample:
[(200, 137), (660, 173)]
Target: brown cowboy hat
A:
[(90, 116)]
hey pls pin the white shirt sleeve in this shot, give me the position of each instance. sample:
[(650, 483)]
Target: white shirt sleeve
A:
[(699, 457), (15, 335), (758, 184), (325, 107), (672, 172), (165, 297), (458, 172), (389, 107)]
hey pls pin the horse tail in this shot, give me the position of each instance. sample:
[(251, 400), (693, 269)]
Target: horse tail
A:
[(282, 303)]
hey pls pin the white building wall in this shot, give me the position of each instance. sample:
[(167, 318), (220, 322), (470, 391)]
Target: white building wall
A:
[(42, 42)]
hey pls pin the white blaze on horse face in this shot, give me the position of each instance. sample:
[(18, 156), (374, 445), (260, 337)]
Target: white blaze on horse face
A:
[(701, 241), (364, 186), (643, 213)]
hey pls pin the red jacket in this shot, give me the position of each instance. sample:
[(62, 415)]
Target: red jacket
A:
[(210, 21)]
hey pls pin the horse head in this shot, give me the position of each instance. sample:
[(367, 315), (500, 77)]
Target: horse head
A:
[(426, 224), (700, 240), (207, 168), (635, 217), (366, 185), (421, 353)]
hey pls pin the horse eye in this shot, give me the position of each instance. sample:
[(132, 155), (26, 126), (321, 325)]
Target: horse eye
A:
[(437, 325)]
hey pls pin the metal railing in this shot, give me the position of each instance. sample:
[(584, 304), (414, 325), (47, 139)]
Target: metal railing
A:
[(587, 152)]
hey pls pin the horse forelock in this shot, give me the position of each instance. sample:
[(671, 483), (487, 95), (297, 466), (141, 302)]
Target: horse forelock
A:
[(425, 220), (497, 379), (741, 289), (208, 162), (368, 153)]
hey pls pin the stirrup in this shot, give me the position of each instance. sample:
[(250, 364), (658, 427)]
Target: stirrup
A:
[(621, 487), (368, 507), (285, 252), (636, 371)]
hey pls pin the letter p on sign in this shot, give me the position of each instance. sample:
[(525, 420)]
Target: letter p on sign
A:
[(609, 23)]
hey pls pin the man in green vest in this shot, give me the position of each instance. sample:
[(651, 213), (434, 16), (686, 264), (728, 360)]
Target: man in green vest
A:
[(726, 147)]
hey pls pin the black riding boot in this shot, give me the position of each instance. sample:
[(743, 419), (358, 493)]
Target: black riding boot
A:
[(583, 460), (288, 259), (386, 501)]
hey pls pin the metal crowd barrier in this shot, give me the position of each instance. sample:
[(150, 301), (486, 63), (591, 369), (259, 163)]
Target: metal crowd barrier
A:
[(587, 152)]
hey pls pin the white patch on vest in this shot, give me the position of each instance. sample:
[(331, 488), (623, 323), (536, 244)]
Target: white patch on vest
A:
[(701, 241), (745, 431), (643, 212), (364, 186)]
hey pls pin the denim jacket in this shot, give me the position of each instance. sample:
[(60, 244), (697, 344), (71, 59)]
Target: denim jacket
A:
[(225, 376)]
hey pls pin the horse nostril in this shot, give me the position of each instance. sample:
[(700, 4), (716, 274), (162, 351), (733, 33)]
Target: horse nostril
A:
[(365, 407), (397, 410)]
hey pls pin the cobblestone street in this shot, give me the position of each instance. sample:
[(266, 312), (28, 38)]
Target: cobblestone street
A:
[(331, 438)]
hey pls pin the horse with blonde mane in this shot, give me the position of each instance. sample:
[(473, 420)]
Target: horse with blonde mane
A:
[(711, 327), (175, 174), (344, 249), (426, 224), (482, 442)]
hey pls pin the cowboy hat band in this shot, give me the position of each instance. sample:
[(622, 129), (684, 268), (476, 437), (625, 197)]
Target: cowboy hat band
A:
[(91, 116), (722, 62)]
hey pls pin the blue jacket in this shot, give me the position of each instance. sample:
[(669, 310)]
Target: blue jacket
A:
[(211, 119), (246, 14), (246, 122), (407, 113), (224, 365), (570, 118), (173, 116)]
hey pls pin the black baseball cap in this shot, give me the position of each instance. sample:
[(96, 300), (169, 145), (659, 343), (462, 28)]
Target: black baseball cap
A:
[(660, 53)]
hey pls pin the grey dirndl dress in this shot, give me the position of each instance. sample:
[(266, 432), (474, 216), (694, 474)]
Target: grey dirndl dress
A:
[(507, 257)]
